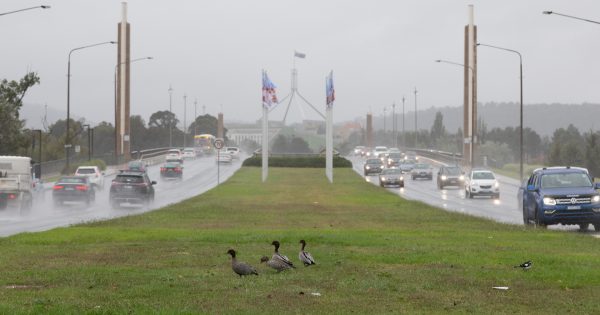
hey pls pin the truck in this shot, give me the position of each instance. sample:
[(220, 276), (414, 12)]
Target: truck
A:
[(16, 183), (560, 195)]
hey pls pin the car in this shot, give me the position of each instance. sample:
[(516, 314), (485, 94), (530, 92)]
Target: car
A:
[(394, 159), (380, 150), (450, 176), (411, 155), (481, 182), (234, 152), (372, 166), (391, 176), (171, 170), (137, 166), (94, 174), (73, 189), (560, 195), (407, 165), (188, 154), (131, 187), (223, 157), (358, 150), (174, 154), (422, 170)]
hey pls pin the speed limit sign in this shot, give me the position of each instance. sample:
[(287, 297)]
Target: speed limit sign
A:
[(218, 144)]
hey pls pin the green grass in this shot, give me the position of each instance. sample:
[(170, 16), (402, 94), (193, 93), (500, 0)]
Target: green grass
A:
[(376, 253)]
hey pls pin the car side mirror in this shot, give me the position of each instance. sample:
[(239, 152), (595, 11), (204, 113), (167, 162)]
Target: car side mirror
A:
[(153, 182), (596, 185), (531, 188)]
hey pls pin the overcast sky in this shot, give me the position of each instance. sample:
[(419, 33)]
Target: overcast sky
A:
[(214, 52)]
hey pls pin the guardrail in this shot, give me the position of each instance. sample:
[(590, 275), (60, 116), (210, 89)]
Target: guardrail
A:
[(448, 157)]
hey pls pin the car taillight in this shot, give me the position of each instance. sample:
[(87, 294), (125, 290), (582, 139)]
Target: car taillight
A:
[(58, 187), (12, 196), (81, 187), (162, 169), (178, 170)]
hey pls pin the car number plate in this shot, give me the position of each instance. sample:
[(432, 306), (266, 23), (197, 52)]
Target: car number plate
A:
[(68, 188), (128, 187), (573, 207)]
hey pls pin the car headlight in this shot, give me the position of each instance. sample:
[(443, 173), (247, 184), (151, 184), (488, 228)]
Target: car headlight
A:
[(444, 177), (596, 199), (401, 177), (549, 201), (462, 177), (367, 167), (496, 184), (383, 179)]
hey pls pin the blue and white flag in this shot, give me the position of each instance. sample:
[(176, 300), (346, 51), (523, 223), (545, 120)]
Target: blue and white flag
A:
[(269, 97), (329, 90)]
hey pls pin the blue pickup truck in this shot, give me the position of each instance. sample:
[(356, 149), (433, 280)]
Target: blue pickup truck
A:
[(560, 195)]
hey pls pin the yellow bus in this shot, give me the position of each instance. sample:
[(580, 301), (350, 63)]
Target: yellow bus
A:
[(204, 143)]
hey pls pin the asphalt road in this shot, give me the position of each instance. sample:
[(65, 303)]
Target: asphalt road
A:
[(199, 176), (504, 210)]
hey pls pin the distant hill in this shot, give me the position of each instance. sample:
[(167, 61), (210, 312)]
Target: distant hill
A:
[(543, 118)]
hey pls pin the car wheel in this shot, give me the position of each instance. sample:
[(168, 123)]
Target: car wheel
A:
[(596, 227), (526, 220), (538, 220), (583, 227)]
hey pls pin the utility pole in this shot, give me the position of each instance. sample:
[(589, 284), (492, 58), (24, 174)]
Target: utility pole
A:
[(184, 119), (171, 121), (394, 127), (384, 110), (195, 116), (403, 120), (416, 129)]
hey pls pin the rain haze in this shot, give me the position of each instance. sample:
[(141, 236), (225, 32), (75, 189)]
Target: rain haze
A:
[(214, 51)]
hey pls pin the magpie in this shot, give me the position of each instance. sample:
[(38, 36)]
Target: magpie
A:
[(526, 265)]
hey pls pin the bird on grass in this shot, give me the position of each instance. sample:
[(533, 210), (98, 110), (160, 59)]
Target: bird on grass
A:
[(305, 257), (275, 263), (526, 265), (241, 268), (278, 257)]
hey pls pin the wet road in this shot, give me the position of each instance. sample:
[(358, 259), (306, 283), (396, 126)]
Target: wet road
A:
[(199, 176), (504, 210)]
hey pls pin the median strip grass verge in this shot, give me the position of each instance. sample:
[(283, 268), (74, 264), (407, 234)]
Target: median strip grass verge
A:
[(375, 253)]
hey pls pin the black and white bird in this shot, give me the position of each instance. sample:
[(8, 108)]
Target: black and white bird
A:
[(526, 265), (278, 257), (305, 257), (241, 268)]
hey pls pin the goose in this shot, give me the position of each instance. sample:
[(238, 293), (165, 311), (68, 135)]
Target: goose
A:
[(305, 257), (241, 268), (275, 263), (278, 256)]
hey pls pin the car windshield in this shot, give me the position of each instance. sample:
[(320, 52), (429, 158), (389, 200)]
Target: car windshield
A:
[(129, 179), (171, 165), (483, 175), (392, 171), (86, 171), (408, 162), (422, 166), (565, 180), (72, 180), (453, 170), (373, 161), (395, 156), (135, 164)]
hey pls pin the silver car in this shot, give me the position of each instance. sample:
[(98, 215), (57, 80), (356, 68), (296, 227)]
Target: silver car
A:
[(422, 170), (391, 176)]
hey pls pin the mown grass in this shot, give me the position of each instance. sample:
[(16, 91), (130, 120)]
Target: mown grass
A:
[(376, 253)]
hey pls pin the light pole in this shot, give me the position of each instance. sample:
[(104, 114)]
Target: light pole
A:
[(471, 155), (570, 16), (394, 127), (26, 9), (195, 116), (117, 66), (384, 110), (416, 130), (39, 168), (89, 142), (184, 118), (67, 138), (403, 130), (170, 112), (521, 104)]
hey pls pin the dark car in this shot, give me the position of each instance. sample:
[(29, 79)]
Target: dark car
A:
[(391, 176), (450, 176), (394, 159), (137, 165), (373, 166), (565, 195), (171, 170), (131, 187), (407, 165), (73, 188)]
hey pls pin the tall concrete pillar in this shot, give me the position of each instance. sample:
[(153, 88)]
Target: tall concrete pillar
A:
[(470, 92), (122, 116), (220, 126), (370, 130)]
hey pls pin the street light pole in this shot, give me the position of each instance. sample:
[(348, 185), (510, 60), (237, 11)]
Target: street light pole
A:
[(26, 9), (67, 137), (403, 120), (520, 107), (39, 170), (570, 16), (184, 118), (384, 110), (416, 130), (89, 142), (195, 116), (394, 127), (170, 112)]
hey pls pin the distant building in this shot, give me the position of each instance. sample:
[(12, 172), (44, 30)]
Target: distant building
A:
[(237, 133)]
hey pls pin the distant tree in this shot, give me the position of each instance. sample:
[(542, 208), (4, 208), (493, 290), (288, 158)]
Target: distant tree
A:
[(104, 138), (592, 152), (138, 134), (567, 147), (280, 144), (438, 130), (299, 145), (12, 139), (205, 124), (249, 145), (163, 119)]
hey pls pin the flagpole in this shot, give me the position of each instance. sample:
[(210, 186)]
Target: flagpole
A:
[(265, 144), (329, 128)]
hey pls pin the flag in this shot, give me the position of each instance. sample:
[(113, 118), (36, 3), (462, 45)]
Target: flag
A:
[(329, 90), (299, 54), (268, 91)]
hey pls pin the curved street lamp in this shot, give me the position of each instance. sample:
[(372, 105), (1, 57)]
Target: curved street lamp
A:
[(570, 16), (26, 9), (68, 139), (521, 104)]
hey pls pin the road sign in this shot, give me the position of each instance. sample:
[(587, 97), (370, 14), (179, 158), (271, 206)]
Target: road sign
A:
[(219, 144), (77, 149)]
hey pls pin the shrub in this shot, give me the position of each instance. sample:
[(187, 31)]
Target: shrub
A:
[(73, 167), (314, 162)]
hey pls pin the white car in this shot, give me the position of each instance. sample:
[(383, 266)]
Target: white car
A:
[(174, 154), (234, 152), (481, 182), (93, 173), (223, 157), (189, 154)]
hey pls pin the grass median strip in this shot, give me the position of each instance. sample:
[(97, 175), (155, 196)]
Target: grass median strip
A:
[(375, 252)]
